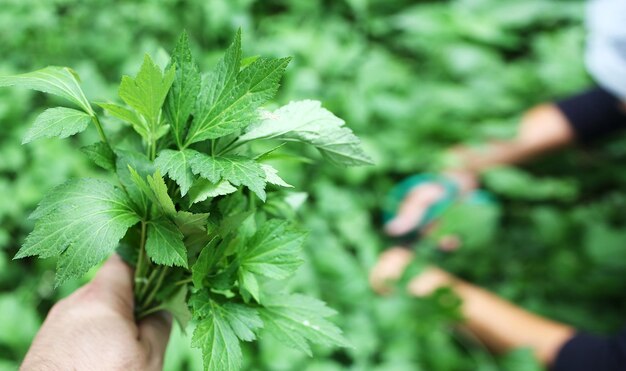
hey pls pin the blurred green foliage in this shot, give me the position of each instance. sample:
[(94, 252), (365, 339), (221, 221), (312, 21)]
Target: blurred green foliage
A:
[(411, 78)]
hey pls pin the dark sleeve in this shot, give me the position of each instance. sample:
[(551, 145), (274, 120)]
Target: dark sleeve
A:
[(593, 114), (585, 352)]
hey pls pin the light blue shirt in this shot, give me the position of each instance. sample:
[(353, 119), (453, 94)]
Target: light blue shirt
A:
[(606, 44)]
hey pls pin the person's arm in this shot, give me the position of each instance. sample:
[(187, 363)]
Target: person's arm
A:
[(542, 129), (501, 325), (545, 128)]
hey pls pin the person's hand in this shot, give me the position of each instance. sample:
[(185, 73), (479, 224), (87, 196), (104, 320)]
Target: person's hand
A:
[(430, 280), (420, 198), (389, 268), (94, 329)]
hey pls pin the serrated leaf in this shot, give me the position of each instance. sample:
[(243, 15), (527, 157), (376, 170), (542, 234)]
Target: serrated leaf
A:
[(60, 81), (128, 116), (81, 222), (57, 122), (243, 171), (101, 154), (274, 251), (243, 320), (182, 97), (272, 177), (248, 281), (203, 189), (306, 121), (237, 170), (203, 264), (176, 165), (163, 199), (296, 320), (206, 166), (146, 92), (127, 160), (164, 244), (218, 341), (142, 187), (229, 97)]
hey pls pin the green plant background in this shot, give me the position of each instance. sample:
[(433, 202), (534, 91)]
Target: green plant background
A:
[(411, 79)]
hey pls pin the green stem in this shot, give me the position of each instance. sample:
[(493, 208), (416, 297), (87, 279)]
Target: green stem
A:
[(103, 136), (153, 151), (147, 312), (182, 282), (141, 259), (156, 288), (144, 290)]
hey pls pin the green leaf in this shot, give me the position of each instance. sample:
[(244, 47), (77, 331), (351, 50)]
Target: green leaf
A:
[(143, 189), (176, 165), (237, 170), (128, 116), (206, 166), (134, 185), (203, 265), (146, 93), (61, 81), (164, 244), (243, 320), (229, 97), (182, 97), (248, 281), (243, 171), (306, 121), (203, 189), (158, 187), (274, 251), (296, 320), (218, 341), (190, 223), (81, 222), (57, 122), (101, 154), (272, 177)]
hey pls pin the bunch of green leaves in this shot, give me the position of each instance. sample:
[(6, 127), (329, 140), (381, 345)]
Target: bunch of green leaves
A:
[(184, 209)]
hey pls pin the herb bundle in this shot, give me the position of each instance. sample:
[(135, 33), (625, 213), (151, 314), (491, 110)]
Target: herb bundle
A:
[(184, 208)]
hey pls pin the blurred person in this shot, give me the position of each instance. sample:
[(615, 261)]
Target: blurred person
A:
[(95, 329), (544, 128)]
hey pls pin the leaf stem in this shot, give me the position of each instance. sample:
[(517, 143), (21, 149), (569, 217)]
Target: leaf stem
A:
[(144, 290), (182, 282), (147, 312), (103, 136), (140, 259), (153, 151), (157, 286)]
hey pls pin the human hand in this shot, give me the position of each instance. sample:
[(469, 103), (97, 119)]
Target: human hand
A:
[(421, 198), (389, 268), (95, 329), (429, 281)]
